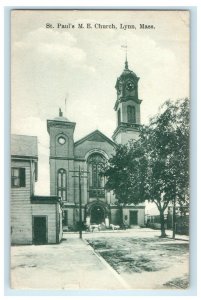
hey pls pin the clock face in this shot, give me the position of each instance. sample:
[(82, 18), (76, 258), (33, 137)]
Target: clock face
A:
[(130, 86), (61, 140)]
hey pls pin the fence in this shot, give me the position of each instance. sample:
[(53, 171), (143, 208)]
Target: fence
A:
[(182, 223)]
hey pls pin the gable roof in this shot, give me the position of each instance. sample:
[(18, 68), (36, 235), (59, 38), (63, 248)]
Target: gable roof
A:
[(24, 145), (96, 136)]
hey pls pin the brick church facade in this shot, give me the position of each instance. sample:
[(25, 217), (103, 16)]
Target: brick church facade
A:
[(90, 154)]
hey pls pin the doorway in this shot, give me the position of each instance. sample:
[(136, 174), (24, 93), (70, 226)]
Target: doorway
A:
[(97, 214), (40, 230), (133, 217)]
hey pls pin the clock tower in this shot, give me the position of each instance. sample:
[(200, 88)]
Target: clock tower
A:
[(127, 107)]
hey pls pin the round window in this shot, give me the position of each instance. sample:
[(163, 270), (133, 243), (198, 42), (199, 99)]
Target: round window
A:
[(61, 140)]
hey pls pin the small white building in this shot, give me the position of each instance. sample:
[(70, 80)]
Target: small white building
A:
[(34, 219)]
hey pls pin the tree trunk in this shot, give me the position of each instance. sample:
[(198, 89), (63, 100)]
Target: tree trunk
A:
[(174, 219), (121, 216), (162, 219)]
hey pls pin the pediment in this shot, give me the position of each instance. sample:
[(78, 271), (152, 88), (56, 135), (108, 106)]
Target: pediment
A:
[(95, 136)]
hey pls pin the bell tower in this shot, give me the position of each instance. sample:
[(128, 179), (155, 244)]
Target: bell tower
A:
[(127, 107)]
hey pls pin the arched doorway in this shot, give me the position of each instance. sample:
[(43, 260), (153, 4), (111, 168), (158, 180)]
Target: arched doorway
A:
[(97, 214)]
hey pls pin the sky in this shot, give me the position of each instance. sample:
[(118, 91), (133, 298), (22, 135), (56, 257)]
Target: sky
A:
[(51, 64)]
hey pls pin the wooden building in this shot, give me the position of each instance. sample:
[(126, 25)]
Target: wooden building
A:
[(34, 219)]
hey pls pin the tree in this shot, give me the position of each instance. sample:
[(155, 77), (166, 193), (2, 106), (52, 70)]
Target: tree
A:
[(166, 144), (156, 167), (123, 173), (178, 156)]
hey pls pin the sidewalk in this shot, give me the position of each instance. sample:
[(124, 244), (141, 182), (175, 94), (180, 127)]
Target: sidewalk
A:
[(177, 236), (137, 232), (70, 265)]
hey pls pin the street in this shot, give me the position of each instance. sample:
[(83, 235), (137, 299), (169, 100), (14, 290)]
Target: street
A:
[(131, 259)]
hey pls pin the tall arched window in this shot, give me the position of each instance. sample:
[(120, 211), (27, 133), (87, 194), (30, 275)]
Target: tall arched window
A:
[(96, 162), (119, 116), (61, 184), (131, 114)]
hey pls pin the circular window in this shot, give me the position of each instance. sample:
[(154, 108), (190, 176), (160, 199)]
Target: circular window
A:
[(61, 140)]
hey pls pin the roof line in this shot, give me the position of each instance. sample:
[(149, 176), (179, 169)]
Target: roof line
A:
[(24, 157), (90, 134), (24, 135)]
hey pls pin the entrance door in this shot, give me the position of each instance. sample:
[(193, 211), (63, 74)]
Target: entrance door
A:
[(133, 218), (39, 230), (97, 215)]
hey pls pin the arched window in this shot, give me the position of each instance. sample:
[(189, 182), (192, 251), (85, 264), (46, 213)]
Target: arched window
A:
[(61, 184), (119, 116), (131, 114), (96, 162)]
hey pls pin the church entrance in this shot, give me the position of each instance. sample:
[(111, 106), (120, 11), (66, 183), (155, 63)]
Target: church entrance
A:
[(97, 214)]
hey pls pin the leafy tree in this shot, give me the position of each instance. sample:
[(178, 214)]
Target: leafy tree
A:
[(124, 172), (156, 167)]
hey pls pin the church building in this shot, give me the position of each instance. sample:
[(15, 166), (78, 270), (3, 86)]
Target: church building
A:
[(90, 154)]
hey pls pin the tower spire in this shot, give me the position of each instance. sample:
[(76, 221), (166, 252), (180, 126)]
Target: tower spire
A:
[(126, 60), (60, 112)]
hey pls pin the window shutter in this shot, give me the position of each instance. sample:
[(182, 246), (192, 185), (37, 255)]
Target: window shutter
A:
[(22, 177)]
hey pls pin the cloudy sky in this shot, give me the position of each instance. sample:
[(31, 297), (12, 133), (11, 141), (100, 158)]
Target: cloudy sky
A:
[(82, 65)]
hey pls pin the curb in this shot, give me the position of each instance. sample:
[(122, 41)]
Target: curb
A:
[(178, 239), (107, 265)]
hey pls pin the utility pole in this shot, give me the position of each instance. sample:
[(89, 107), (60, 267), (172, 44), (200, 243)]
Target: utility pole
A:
[(80, 205), (80, 175)]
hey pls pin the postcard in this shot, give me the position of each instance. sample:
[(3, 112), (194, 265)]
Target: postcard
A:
[(100, 149)]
